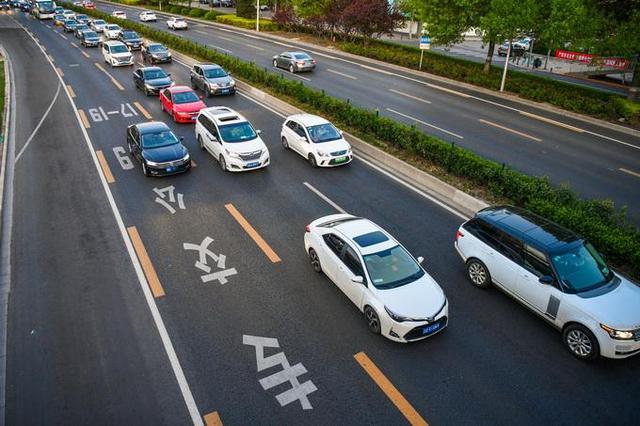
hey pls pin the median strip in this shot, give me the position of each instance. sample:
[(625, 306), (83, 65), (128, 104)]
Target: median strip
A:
[(267, 250), (113, 80), (506, 129), (145, 262), (105, 167), (407, 410)]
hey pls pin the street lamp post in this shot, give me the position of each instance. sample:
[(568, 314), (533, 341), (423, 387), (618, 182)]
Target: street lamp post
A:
[(506, 65), (257, 15)]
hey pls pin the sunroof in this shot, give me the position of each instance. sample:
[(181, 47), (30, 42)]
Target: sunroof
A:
[(370, 239)]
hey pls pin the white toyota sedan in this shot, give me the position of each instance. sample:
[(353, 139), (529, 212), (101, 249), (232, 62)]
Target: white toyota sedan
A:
[(397, 296), (316, 139)]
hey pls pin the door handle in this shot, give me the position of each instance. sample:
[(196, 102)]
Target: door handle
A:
[(491, 253)]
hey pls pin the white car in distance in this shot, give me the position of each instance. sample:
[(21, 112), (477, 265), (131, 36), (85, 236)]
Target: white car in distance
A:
[(398, 297), (148, 16), (177, 23), (112, 31), (98, 25), (69, 14), (231, 139), (119, 14), (316, 139)]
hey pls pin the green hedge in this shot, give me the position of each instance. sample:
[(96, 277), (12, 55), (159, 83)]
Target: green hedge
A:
[(196, 13), (212, 15), (568, 96), (596, 220), (250, 24)]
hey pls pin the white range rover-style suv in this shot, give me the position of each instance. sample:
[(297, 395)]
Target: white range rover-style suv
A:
[(557, 275)]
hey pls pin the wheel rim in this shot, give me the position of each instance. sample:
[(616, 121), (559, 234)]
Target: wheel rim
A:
[(477, 273), (579, 343), (223, 164), (372, 320), (275, 63), (284, 143), (291, 68), (315, 262)]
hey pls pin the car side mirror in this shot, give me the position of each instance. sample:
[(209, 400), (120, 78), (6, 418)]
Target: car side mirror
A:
[(546, 280), (168, 74), (357, 279), (181, 138), (258, 132), (420, 259), (201, 97)]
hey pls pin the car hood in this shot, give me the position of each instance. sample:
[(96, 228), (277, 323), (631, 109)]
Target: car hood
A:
[(122, 55), (421, 299), (132, 40), (166, 153), (165, 81), (92, 38), (190, 107), (160, 54), (619, 308), (333, 146), (222, 81), (248, 146)]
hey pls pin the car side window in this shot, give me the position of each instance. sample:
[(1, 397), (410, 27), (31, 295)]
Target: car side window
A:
[(139, 73), (510, 246), (134, 135), (486, 233), (334, 243), (536, 262), (300, 131), (167, 94), (350, 258), (291, 124), (196, 70)]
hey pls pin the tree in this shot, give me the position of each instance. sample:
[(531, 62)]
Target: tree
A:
[(371, 17), (246, 8)]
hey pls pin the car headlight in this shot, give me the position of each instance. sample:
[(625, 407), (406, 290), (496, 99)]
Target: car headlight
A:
[(213, 85), (396, 317), (618, 334), (232, 82), (233, 154), (151, 163), (186, 157), (322, 153)]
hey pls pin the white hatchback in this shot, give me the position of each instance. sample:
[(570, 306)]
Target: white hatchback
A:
[(147, 16), (231, 139), (398, 297), (316, 139), (177, 23)]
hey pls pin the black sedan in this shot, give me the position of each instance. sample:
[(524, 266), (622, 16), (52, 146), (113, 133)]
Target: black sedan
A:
[(157, 149), (89, 38), (131, 39), (156, 53), (69, 25), (151, 80)]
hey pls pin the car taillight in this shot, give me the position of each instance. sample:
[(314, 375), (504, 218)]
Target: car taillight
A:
[(458, 235), (308, 228), (313, 61)]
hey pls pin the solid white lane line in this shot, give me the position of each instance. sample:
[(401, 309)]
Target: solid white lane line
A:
[(507, 129), (629, 172), (406, 95), (155, 312), (324, 197), (366, 67), (342, 74), (425, 123), (254, 47), (33, 133), (201, 32)]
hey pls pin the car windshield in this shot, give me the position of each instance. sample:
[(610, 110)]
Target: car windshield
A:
[(82, 17), (215, 73), (157, 48), (323, 133), (90, 34), (159, 139), (118, 48), (70, 22), (392, 268), (130, 35), (113, 27), (185, 97), (582, 268), (238, 132), (301, 56), (98, 22), (81, 27), (59, 17), (153, 74), (178, 20)]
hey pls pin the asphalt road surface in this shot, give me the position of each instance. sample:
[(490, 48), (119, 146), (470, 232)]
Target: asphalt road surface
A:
[(595, 161), (96, 356)]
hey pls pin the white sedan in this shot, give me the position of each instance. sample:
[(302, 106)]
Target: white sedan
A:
[(315, 139), (397, 296), (112, 31), (119, 14), (177, 23), (69, 14), (148, 16)]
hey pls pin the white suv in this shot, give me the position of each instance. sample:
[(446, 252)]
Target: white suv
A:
[(116, 54), (557, 275), (177, 23), (148, 16), (231, 139), (119, 14), (315, 139)]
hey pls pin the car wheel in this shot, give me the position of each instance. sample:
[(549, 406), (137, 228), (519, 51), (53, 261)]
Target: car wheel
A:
[(312, 161), (373, 322), (478, 273), (275, 63), (130, 150), (581, 342), (285, 144), (315, 261), (193, 84), (200, 142), (223, 163), (292, 69), (208, 92), (145, 170), (173, 115)]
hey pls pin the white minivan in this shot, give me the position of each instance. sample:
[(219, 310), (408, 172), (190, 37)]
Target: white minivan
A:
[(116, 54), (557, 275)]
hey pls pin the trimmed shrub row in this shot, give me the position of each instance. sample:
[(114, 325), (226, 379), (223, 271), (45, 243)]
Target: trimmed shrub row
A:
[(250, 24), (596, 220)]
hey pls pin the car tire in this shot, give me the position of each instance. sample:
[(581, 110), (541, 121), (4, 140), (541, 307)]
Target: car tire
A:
[(193, 84), (208, 92), (373, 321), (173, 116), (292, 70), (285, 144), (275, 63), (478, 273), (312, 161), (144, 169), (200, 142), (315, 261), (223, 163), (581, 342)]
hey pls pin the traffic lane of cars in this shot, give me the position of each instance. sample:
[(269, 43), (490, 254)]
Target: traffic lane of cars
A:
[(480, 333)]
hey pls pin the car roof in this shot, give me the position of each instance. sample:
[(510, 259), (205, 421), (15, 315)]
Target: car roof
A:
[(209, 66), (363, 234), (297, 52), (308, 120), (529, 227), (224, 115), (151, 127), (150, 68), (180, 89), (114, 43)]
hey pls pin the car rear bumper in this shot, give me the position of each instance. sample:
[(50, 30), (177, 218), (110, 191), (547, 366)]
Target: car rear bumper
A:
[(191, 118)]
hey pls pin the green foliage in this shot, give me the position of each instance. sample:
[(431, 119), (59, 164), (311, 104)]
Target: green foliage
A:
[(212, 15), (185, 11), (250, 24), (196, 13), (246, 9), (596, 220), (175, 9)]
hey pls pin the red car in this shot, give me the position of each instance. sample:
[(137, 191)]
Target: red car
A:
[(182, 103), (89, 5)]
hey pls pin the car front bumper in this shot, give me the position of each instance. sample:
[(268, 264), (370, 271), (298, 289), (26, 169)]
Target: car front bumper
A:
[(120, 63), (335, 161), (616, 349), (169, 169), (91, 43), (134, 46), (164, 60), (238, 165), (222, 90), (413, 331)]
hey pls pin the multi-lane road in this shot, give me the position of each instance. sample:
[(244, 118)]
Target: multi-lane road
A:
[(111, 322), (597, 162)]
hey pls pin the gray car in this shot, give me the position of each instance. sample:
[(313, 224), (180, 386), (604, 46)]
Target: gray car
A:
[(294, 61), (212, 79)]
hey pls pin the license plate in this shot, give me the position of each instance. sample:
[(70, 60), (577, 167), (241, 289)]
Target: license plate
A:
[(340, 160), (170, 169), (431, 328), (225, 91), (253, 165)]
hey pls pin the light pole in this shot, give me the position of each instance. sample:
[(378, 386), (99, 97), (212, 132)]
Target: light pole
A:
[(506, 65), (257, 15)]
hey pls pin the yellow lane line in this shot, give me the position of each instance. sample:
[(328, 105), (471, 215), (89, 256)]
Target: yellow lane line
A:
[(273, 257), (213, 419), (342, 74), (84, 119), (113, 80), (629, 172), (105, 167), (143, 110), (506, 129), (147, 266), (406, 95), (60, 71), (71, 92), (86, 55), (390, 390), (550, 121)]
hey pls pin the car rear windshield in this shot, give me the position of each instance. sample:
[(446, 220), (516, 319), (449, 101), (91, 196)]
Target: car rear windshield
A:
[(323, 133), (157, 48), (154, 74), (392, 268), (215, 73), (301, 56), (238, 132), (130, 34), (159, 139), (118, 48), (185, 97), (179, 19), (581, 268)]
